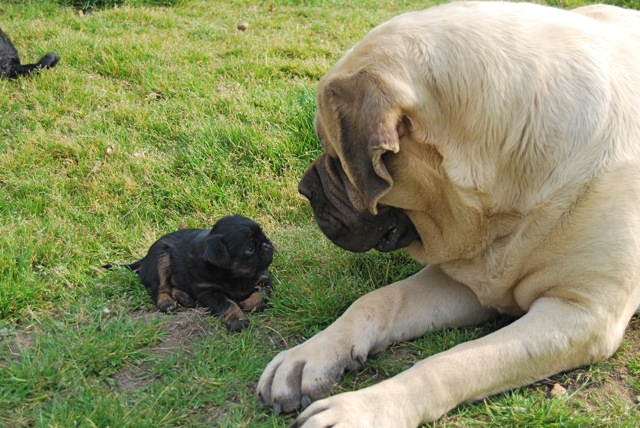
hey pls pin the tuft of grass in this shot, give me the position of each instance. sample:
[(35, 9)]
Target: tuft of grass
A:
[(161, 112), (87, 5)]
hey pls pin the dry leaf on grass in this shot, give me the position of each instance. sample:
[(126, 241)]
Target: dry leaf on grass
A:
[(95, 169), (558, 390)]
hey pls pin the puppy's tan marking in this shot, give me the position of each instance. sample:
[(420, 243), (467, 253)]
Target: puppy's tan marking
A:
[(253, 303), (233, 317), (164, 301)]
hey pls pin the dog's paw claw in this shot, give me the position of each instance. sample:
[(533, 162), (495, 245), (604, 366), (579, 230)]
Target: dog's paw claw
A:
[(305, 401)]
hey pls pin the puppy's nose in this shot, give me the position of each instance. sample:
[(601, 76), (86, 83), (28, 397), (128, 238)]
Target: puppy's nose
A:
[(267, 247)]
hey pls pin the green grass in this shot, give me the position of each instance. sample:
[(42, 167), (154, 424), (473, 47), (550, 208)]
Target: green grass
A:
[(161, 112)]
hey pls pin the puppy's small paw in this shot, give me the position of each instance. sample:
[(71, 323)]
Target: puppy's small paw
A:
[(168, 306), (265, 284), (236, 324), (265, 280), (254, 303)]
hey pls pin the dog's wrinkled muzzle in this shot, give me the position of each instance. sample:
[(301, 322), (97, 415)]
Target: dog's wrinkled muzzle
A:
[(352, 227)]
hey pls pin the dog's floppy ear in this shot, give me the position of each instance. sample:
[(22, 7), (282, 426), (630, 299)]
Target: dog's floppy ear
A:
[(366, 125), (216, 252)]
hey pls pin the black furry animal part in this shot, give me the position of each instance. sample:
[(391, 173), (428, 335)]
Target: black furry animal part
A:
[(10, 61), (224, 269)]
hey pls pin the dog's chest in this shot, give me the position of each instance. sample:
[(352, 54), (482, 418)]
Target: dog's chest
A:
[(492, 275)]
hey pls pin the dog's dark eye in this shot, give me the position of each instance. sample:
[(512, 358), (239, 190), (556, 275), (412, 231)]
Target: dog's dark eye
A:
[(250, 249)]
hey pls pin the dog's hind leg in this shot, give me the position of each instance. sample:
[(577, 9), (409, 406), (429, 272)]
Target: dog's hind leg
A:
[(135, 266), (47, 61), (183, 298), (163, 299), (10, 65)]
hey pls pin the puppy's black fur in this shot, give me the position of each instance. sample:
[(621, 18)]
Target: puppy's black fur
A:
[(224, 269), (10, 61)]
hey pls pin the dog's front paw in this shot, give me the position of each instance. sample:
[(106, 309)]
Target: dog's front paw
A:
[(234, 319), (235, 323), (303, 374), (375, 406), (166, 304)]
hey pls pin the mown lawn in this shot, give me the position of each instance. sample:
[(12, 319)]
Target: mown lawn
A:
[(163, 112)]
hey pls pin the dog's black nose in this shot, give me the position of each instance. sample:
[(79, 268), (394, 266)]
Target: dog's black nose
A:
[(267, 247), (304, 191), (310, 183)]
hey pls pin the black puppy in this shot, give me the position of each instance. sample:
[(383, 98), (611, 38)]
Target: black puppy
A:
[(224, 269), (10, 61)]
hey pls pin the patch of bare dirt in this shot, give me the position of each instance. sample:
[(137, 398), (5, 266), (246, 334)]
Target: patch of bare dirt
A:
[(15, 342), (19, 343), (609, 381), (632, 336), (181, 329)]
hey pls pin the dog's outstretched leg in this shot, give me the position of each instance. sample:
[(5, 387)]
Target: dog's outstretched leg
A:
[(135, 266), (163, 293), (48, 61), (10, 65)]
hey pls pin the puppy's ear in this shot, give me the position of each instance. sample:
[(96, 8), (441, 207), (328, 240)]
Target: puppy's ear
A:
[(216, 252), (362, 123)]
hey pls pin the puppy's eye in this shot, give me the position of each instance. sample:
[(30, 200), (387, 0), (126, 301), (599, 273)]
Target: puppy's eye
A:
[(250, 249)]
